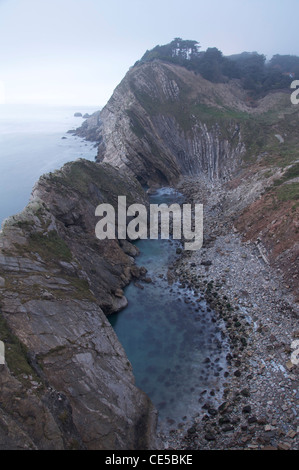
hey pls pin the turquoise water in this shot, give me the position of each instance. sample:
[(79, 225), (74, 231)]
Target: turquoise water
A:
[(170, 336), (34, 141)]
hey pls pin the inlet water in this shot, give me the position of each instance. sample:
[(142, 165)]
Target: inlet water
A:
[(170, 335)]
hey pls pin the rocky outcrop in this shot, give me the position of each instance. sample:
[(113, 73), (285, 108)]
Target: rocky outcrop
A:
[(158, 125), (67, 382), (164, 122), (90, 128)]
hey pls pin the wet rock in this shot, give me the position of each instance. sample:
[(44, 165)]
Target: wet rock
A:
[(119, 293), (252, 419), (192, 431), (210, 437), (129, 248), (140, 286), (246, 409), (228, 429), (135, 272), (223, 421)]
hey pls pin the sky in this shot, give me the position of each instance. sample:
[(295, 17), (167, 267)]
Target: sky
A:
[(75, 52)]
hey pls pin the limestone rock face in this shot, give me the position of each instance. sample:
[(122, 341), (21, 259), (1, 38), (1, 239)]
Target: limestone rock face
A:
[(157, 125), (67, 382)]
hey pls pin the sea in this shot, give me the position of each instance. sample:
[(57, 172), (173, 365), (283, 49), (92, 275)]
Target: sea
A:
[(167, 331), (177, 350), (34, 141)]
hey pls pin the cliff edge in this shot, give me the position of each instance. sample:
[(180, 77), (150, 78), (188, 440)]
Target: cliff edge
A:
[(165, 123), (67, 382)]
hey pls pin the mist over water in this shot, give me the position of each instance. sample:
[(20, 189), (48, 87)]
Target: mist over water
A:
[(34, 141)]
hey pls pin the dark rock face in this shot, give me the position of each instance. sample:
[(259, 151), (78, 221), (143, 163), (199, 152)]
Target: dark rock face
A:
[(67, 382)]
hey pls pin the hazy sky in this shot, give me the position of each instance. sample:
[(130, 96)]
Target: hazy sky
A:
[(77, 51)]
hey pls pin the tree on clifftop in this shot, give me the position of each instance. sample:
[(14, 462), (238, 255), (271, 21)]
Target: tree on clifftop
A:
[(177, 51), (184, 49), (255, 74)]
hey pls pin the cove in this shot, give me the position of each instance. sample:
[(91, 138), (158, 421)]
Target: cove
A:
[(170, 335)]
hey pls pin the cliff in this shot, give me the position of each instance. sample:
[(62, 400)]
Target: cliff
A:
[(164, 123), (67, 382)]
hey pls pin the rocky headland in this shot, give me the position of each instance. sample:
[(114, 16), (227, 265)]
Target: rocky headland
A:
[(67, 382), (168, 126)]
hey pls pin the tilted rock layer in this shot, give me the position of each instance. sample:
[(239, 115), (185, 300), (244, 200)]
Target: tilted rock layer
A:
[(152, 125), (67, 382), (164, 122)]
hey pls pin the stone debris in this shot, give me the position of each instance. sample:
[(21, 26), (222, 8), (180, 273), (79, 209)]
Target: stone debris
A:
[(261, 391)]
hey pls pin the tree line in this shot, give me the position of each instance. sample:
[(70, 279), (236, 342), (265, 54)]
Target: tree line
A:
[(257, 75)]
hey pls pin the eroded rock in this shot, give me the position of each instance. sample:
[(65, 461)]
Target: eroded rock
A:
[(70, 379)]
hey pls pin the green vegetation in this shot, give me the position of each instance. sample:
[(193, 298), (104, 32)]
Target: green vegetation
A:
[(16, 354), (284, 189), (291, 173), (257, 75), (25, 224), (49, 246), (82, 176), (81, 290), (74, 288), (208, 113), (288, 192)]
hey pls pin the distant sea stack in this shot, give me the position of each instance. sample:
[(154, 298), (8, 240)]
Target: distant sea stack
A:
[(85, 116)]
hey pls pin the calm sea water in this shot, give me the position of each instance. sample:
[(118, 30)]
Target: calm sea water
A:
[(32, 143), (177, 350)]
